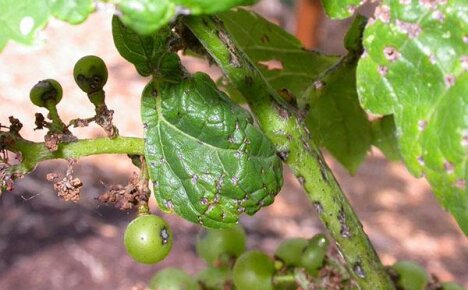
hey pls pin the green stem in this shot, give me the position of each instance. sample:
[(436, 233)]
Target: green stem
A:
[(284, 279), (32, 153), (57, 123), (285, 128)]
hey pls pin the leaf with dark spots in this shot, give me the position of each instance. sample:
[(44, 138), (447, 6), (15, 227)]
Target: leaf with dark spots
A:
[(208, 162), (278, 55), (415, 67)]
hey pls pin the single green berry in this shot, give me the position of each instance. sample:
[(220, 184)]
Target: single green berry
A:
[(90, 73), (253, 271), (44, 91), (451, 286), (212, 278), (290, 251), (218, 246), (411, 276), (148, 239), (173, 279), (313, 256)]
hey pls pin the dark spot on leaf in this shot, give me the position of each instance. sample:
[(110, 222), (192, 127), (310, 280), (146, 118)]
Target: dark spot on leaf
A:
[(449, 167), (318, 85), (169, 204), (422, 124), (284, 154), (421, 160), (248, 81), (194, 179), (449, 80), (383, 70), (391, 53), (283, 112), (265, 38), (438, 15), (287, 95), (411, 29), (382, 13)]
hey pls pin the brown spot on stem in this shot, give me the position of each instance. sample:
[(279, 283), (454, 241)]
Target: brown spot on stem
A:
[(318, 207), (301, 179), (358, 270)]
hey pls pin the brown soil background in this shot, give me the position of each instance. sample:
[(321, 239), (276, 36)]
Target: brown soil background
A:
[(46, 243)]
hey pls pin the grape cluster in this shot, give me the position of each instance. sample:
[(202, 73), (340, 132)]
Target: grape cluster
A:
[(231, 266), (297, 263)]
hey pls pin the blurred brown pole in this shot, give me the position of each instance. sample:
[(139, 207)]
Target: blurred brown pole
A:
[(307, 19)]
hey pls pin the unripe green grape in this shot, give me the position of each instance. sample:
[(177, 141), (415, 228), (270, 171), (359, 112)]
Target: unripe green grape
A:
[(451, 286), (173, 279), (253, 271), (314, 254), (411, 275), (217, 246), (212, 278), (44, 91), (90, 73), (148, 239), (290, 251)]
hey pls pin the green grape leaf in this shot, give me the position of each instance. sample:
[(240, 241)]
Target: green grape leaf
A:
[(21, 20), (279, 56), (384, 137), (146, 16), (143, 51), (198, 7), (415, 67), (72, 11), (340, 9), (207, 160), (335, 118)]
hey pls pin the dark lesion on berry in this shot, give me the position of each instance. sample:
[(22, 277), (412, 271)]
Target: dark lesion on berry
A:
[(164, 234)]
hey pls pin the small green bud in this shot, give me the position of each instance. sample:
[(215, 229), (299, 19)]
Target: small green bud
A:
[(46, 90), (90, 73), (411, 276), (314, 254), (451, 286)]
